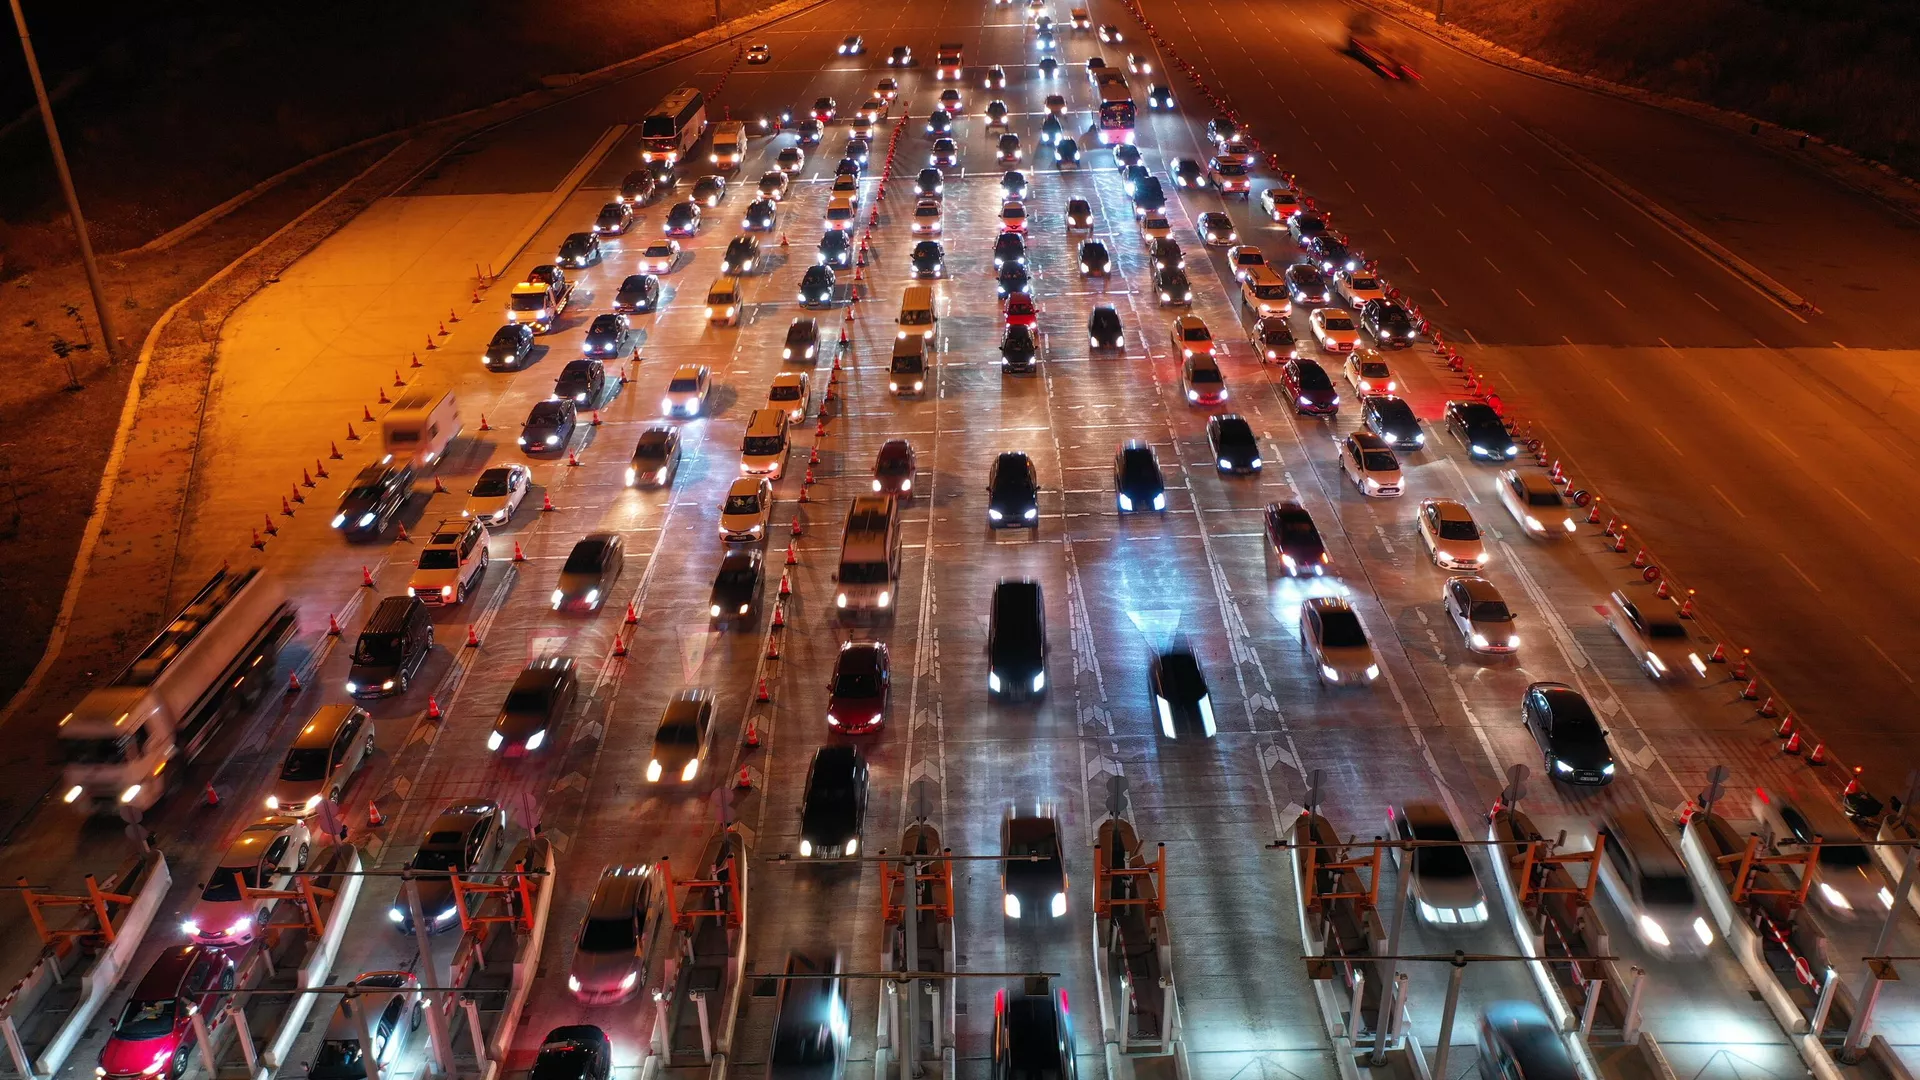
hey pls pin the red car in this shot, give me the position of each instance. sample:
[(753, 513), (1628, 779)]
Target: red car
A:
[(857, 694), (154, 1036), (1020, 310), (893, 469)]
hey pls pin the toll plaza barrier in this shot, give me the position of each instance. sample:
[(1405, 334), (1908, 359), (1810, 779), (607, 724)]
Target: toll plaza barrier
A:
[(1894, 829), (1511, 825), (534, 856), (1314, 844), (917, 1018), (45, 1014), (338, 872), (705, 962)]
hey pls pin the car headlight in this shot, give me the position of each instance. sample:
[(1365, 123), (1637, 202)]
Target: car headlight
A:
[(1832, 896), (1031, 513), (313, 801), (352, 687), (806, 849), (1160, 501), (1327, 671), (573, 983), (494, 740), (1126, 503), (159, 1062), (339, 520), (631, 475), (1058, 906), (666, 404), (1225, 464), (395, 915), (1705, 933), (1533, 522), (1478, 449), (1288, 560), (190, 928), (1305, 400), (447, 914), (1561, 766), (743, 609), (1512, 450), (1480, 641), (993, 684), (558, 597), (366, 519), (593, 597), (239, 926), (1373, 672), (1011, 905), (534, 740), (687, 771), (1039, 682), (653, 771), (1607, 769), (553, 440), (1569, 524), (1513, 641), (387, 685)]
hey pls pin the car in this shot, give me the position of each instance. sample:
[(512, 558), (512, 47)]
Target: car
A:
[(1216, 229), (1172, 287), (802, 340), (1019, 310), (793, 392), (1095, 65), (887, 88), (1132, 177), (1307, 384), (687, 390), (1137, 483), (535, 705), (901, 56), (1190, 335), (833, 805), (1389, 324), (660, 257), (817, 286), (265, 855), (996, 113), (1244, 258), (1094, 260), (875, 109), (1228, 172), (1110, 34), (852, 45), (1304, 225), (1564, 727), (1017, 348), (1273, 337), (759, 53), (835, 248), (1154, 226), (1520, 1036), (639, 294), (548, 427), (665, 177), (857, 691), (638, 188), (611, 948), (894, 469), (1009, 247), (1295, 539), (1366, 372), (376, 496), (685, 735), (1203, 381), (1847, 883), (1536, 503), (1392, 419), (465, 837), (1050, 130), (809, 131), (1648, 880), (709, 190), (741, 254), (1165, 252), (683, 219), (1013, 216), (579, 249), (945, 154), (510, 348), (1013, 492), (1371, 465), (1222, 130), (930, 182), (1033, 1035), (614, 219), (610, 334), (1654, 633), (1280, 204), (383, 1004), (747, 513), (994, 79), (1331, 253), (656, 458), (939, 122), (1481, 615), (761, 215), (1451, 536), (811, 1019), (1066, 154), (1079, 215), (1007, 148), (1044, 40), (573, 1052), (950, 100), (1125, 156), (1159, 97), (927, 216), (850, 167), (1012, 278), (1178, 688), (328, 750), (1104, 330), (735, 587), (1186, 173), (587, 577), (450, 562), (1306, 284), (1033, 873), (1481, 430), (1149, 199), (154, 1036), (1235, 447), (1442, 886), (1357, 288), (928, 259)]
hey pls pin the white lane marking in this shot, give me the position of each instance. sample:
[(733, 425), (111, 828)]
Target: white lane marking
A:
[(1730, 503), (1855, 507), (1883, 655), (1796, 569)]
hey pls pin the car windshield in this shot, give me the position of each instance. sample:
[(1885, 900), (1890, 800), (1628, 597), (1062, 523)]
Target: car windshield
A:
[(439, 559), (1341, 630), (493, 483), (860, 682), (1204, 375), (683, 386), (529, 302), (742, 504), (1299, 530), (1276, 335), (547, 412), (784, 392), (1666, 630), (378, 649), (1845, 855), (305, 763), (607, 935), (678, 733), (338, 1059), (1454, 529), (1196, 333), (1490, 611), (525, 701), (762, 445), (587, 557), (1372, 369), (1230, 168), (1381, 461), (1544, 498), (1235, 432), (223, 885), (1440, 862), (147, 1019), (1338, 322), (1312, 377), (650, 451), (864, 573), (440, 852), (507, 337)]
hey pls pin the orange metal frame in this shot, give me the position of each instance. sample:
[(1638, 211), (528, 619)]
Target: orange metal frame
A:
[(517, 885), (1155, 872), (686, 916), (1537, 857), (65, 939), (1310, 876), (894, 876), (306, 895), (1751, 860)]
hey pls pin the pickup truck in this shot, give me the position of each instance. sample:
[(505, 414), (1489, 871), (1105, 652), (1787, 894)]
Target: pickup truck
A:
[(540, 299)]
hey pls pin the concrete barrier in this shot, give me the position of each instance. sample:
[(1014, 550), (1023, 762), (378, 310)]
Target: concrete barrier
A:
[(319, 963), (1566, 1016), (99, 981), (526, 962)]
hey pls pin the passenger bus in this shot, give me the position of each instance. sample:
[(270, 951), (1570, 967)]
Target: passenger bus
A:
[(673, 126), (1116, 112)]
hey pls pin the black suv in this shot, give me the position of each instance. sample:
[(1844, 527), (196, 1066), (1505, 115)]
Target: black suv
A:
[(374, 498), (1013, 492), (1017, 641), (510, 348), (1480, 429)]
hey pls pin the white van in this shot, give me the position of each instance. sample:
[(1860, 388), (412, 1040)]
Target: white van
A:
[(729, 144), (916, 312), (419, 428), (764, 450), (723, 301)]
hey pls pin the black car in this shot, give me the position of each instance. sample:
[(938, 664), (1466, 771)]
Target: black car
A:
[(849, 167), (1569, 735), (374, 498), (549, 426), (1165, 252), (1187, 172), (579, 249), (1481, 431), (1094, 260), (1032, 1036), (1392, 419), (833, 809), (665, 178), (588, 575), (1104, 330), (929, 259), (1066, 152), (1389, 323), (816, 286), (930, 181), (1009, 247), (1013, 278), (1125, 156), (735, 587), (708, 190), (1137, 484), (656, 458), (939, 122), (760, 215), (639, 295), (1159, 97), (1307, 383), (1013, 184), (803, 340), (1017, 348), (1013, 492), (1017, 641), (582, 382), (1221, 129), (1273, 336), (1148, 194), (1295, 539), (1033, 879), (1131, 175), (859, 149), (683, 219), (466, 836), (536, 703), (609, 334), (1304, 225), (1235, 448), (742, 253), (1172, 287), (808, 131), (1306, 283), (614, 219), (510, 348), (1331, 254), (836, 248), (1181, 704), (638, 188), (810, 1021), (1050, 129), (573, 1052)]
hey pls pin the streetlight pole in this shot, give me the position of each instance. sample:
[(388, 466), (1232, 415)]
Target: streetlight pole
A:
[(66, 184)]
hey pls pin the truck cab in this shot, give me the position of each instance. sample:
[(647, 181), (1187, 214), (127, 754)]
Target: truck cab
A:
[(540, 299)]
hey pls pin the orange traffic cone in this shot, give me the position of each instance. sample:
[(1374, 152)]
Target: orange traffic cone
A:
[(397, 380), (1819, 754), (1853, 784), (333, 448), (473, 637), (518, 555), (212, 797), (375, 818), (619, 646), (366, 414), (795, 528), (293, 683), (760, 693), (546, 502), (430, 345), (779, 616), (366, 577), (744, 780), (403, 532), (333, 625), (792, 558), (297, 497), (433, 707), (573, 460), (786, 584), (773, 647), (753, 732), (438, 487), (415, 361), (352, 436), (383, 399), (484, 426), (320, 470), (632, 615), (286, 508)]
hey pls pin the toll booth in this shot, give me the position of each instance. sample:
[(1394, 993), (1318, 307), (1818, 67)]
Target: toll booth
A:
[(701, 980), (916, 914), (1133, 948), (1340, 893)]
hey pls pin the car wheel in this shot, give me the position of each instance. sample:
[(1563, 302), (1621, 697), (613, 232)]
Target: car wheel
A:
[(414, 1017), (301, 862), (179, 1064)]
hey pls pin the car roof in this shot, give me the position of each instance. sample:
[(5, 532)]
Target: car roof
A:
[(460, 816), (541, 674), (739, 560), (618, 892), (320, 729), (684, 707), (165, 974), (1479, 589), (1450, 510), (1324, 604), (656, 436), (746, 485), (1367, 440)]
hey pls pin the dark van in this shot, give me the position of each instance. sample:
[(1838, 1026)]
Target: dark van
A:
[(392, 646)]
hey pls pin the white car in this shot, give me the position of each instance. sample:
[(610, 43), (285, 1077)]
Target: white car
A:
[(687, 391), (1481, 615), (791, 159), (1334, 329), (1139, 65), (661, 256), (1536, 504), (927, 218), (1332, 633), (495, 496), (1279, 203), (1154, 226), (792, 391), (1656, 635), (1367, 372), (264, 856), (1451, 536), (1370, 464), (747, 514), (1243, 258), (875, 110), (450, 563), (1357, 287)]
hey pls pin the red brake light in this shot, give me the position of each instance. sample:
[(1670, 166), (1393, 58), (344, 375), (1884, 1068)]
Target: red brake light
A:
[(1000, 1001), (1764, 797), (1063, 999)]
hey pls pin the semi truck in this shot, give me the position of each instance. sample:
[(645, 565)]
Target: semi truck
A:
[(126, 740)]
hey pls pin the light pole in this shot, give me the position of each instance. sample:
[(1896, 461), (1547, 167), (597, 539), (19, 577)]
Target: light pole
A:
[(66, 184)]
